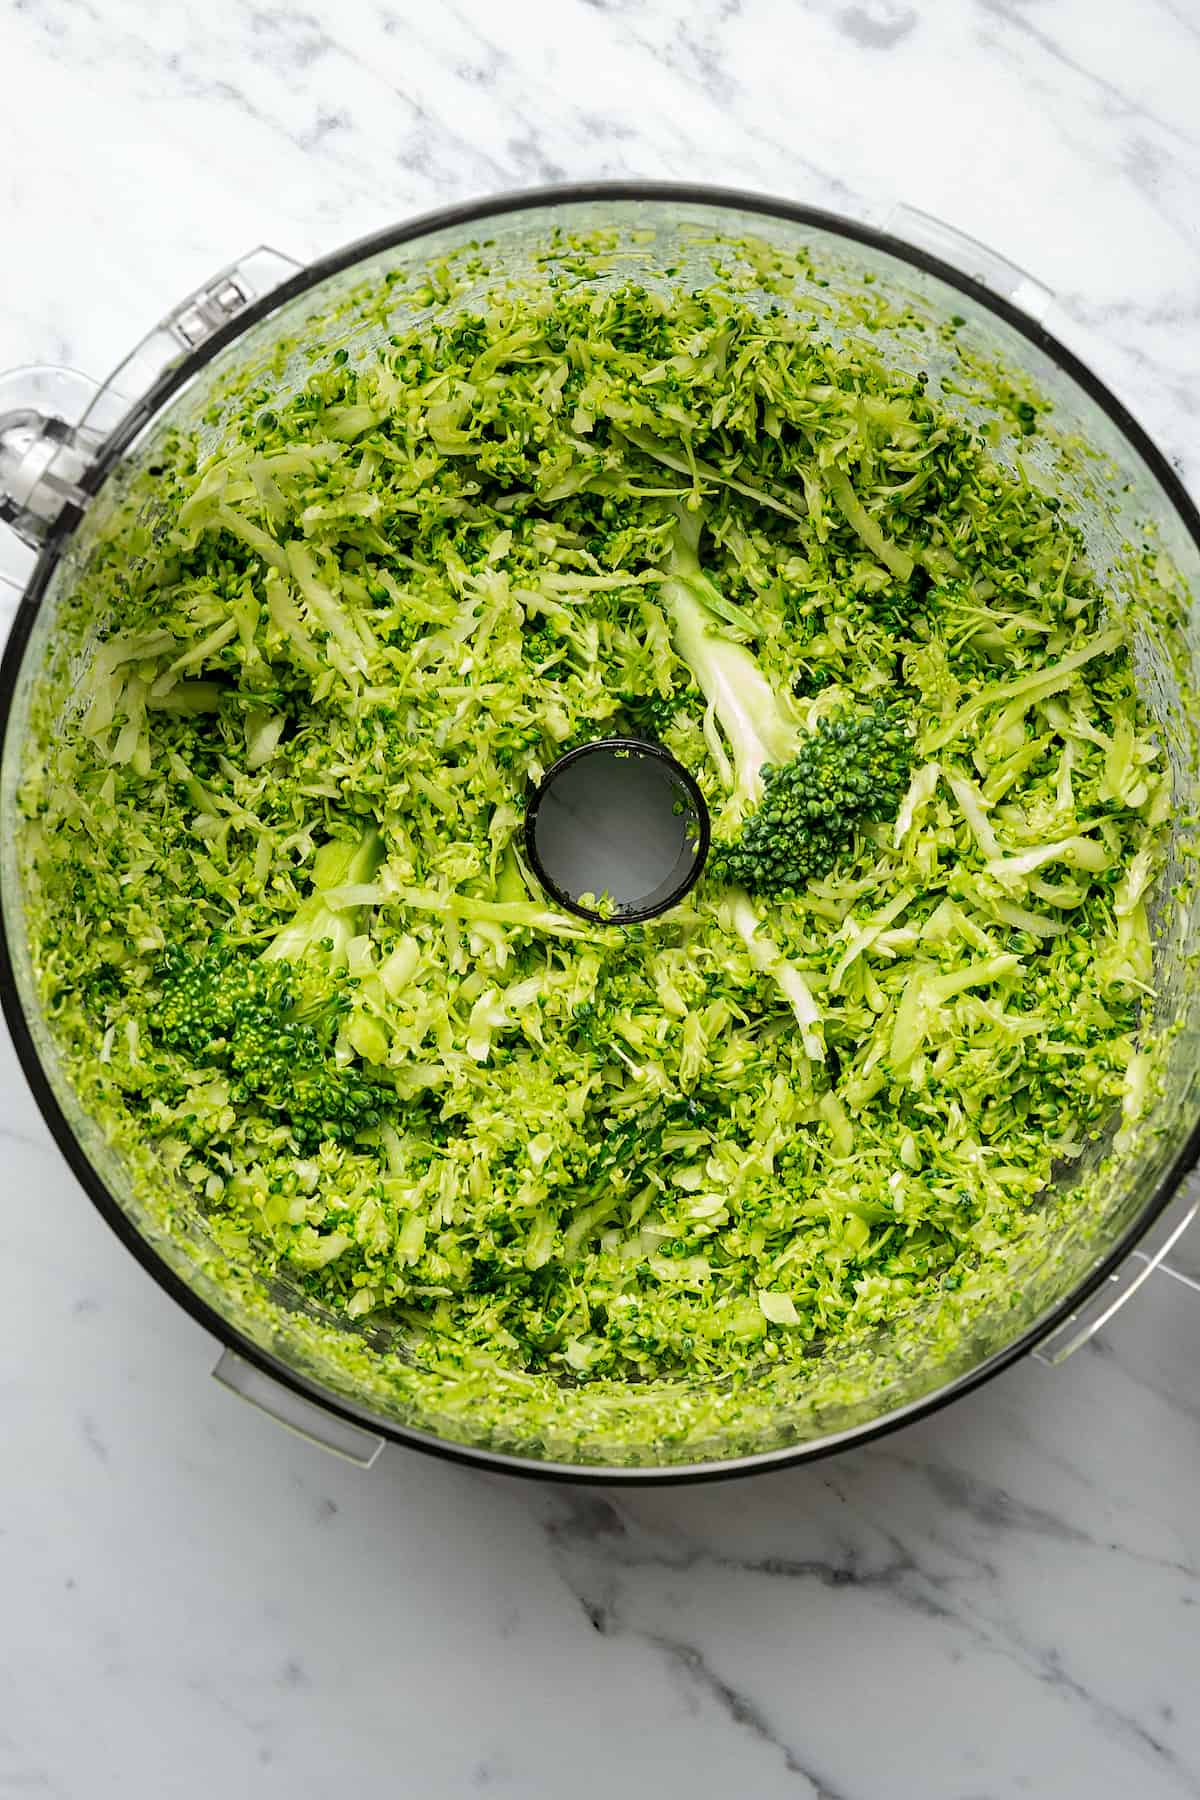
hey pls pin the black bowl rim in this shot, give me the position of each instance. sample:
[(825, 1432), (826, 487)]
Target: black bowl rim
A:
[(130, 428)]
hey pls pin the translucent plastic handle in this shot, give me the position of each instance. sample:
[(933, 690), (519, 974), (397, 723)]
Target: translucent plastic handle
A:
[(1166, 1268), (304, 1417), (970, 257), (204, 312), (45, 449), (54, 421), (1124, 1282)]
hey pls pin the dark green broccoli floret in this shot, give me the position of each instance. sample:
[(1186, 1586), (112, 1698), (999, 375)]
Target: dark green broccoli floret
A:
[(851, 770), (271, 1021), (541, 647), (796, 797), (225, 1009)]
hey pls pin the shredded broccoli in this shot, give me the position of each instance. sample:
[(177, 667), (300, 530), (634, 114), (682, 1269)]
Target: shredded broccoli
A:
[(797, 796), (278, 908), (272, 1021)]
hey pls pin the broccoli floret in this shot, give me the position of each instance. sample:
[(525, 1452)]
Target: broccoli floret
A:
[(541, 648), (853, 769), (650, 715), (271, 1022), (796, 797)]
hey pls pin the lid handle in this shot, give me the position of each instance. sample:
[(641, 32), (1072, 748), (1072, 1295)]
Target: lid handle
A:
[(45, 447), (53, 421), (1110, 1297), (353, 1443), (967, 254)]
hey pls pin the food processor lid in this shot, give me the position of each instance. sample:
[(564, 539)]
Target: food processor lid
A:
[(60, 437)]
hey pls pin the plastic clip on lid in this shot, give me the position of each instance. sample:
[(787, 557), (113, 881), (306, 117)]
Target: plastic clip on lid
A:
[(617, 831), (45, 449), (53, 422)]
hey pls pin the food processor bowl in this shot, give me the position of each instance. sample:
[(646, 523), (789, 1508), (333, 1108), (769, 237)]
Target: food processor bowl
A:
[(76, 472)]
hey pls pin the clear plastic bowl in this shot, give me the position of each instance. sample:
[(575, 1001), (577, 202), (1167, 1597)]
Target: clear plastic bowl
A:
[(64, 483)]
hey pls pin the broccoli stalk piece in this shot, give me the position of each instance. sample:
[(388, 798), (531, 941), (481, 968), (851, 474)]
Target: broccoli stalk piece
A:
[(766, 956), (740, 699), (759, 734), (797, 797), (271, 1022)]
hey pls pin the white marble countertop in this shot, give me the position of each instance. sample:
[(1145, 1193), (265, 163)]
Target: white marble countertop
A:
[(999, 1602)]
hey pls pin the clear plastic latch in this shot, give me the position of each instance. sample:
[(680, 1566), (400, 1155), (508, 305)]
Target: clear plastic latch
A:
[(216, 303), (353, 1443), (223, 298), (970, 257), (53, 421), (1124, 1282), (208, 312)]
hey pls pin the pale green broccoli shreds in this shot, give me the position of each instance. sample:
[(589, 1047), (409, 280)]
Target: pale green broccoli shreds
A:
[(279, 913)]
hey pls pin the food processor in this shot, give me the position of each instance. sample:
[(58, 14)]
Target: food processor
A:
[(75, 455)]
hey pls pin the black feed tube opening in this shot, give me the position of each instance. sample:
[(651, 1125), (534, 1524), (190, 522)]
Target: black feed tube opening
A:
[(617, 831)]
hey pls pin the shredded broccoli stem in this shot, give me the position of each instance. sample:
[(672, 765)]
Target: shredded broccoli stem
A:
[(279, 910), (730, 679)]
